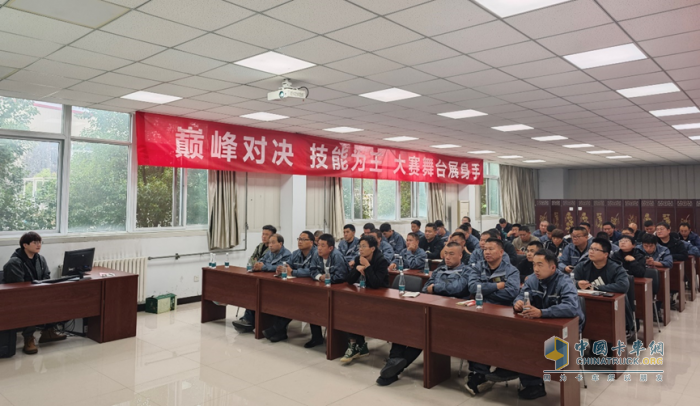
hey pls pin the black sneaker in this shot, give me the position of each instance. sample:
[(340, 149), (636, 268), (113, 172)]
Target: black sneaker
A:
[(278, 337), (630, 337), (502, 375), (243, 325), (269, 332), (313, 342), (393, 367), (477, 384), (532, 392), (387, 381)]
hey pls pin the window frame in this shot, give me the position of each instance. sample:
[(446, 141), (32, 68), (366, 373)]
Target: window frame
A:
[(487, 200), (397, 202)]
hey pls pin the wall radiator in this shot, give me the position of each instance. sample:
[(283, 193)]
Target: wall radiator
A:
[(136, 266)]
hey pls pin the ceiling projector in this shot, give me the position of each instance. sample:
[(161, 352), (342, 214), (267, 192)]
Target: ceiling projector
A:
[(287, 91)]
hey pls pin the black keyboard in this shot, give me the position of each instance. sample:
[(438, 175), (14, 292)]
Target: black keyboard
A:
[(61, 279)]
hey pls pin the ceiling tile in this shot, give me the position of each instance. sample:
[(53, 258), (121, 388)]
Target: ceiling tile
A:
[(539, 104), (320, 17), (63, 69), (527, 96), (246, 92), (231, 110), (323, 93), (663, 24), (624, 69), (175, 90), (237, 74), (513, 54), (626, 9), (81, 96), (319, 76), (88, 59), (206, 15), (6, 71), (26, 46), (42, 79), (678, 74), (673, 44), (170, 110), (374, 34), (320, 50), (486, 36), (205, 115), (182, 62), (127, 3), (561, 79), (99, 88), (258, 5), (35, 26), (590, 39), (637, 81), (218, 98), (539, 68), (417, 52), (358, 86), (221, 48), (15, 60), (202, 83), (482, 78), (151, 72), (28, 89), (458, 95), (115, 45), (680, 61), (452, 66), (594, 97), (452, 14), (265, 32), (560, 18), (132, 104), (194, 104), (119, 80), (401, 77), (516, 86), (364, 65), (144, 27), (387, 6)]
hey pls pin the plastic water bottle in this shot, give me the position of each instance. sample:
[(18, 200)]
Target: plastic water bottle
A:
[(213, 260), (284, 271), (226, 264), (402, 284), (526, 301), (249, 266), (210, 261), (327, 279), (399, 262), (363, 282), (426, 270), (479, 298)]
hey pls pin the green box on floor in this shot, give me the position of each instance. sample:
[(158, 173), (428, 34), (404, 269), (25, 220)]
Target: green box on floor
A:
[(161, 304)]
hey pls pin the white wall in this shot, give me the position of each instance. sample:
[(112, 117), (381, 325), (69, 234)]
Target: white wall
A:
[(553, 183)]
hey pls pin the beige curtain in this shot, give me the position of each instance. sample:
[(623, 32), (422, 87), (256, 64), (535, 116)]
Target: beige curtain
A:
[(436, 202), (518, 194), (223, 210), (334, 209)]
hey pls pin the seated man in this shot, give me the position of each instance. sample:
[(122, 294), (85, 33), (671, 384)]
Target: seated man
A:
[(557, 243), (503, 227), (587, 226), (508, 248), (613, 235), (459, 238), (415, 228), (473, 231), (500, 284), (524, 237), (649, 227), (657, 256), (430, 242), (259, 251), (348, 245), (413, 256), (574, 252), (442, 232), (548, 235), (472, 241), (630, 232), (384, 246), (449, 279), (371, 265), (542, 230), (298, 266), (478, 254), (551, 296), (513, 233), (26, 265), (275, 255), (525, 268), (394, 239), (676, 247), (367, 228), (317, 234), (637, 232), (604, 235), (634, 261), (688, 235)]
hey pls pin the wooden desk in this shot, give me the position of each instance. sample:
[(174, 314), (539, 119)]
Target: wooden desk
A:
[(605, 320), (664, 295), (108, 304), (697, 271), (434, 263), (413, 272), (678, 283), (644, 297), (691, 276), (454, 331)]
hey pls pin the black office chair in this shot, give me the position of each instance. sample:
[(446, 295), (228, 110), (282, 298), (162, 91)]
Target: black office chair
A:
[(582, 304), (413, 283), (2, 277)]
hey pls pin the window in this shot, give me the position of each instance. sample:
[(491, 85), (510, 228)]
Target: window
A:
[(490, 191), (370, 199), (28, 173), (100, 124), (29, 115), (162, 193)]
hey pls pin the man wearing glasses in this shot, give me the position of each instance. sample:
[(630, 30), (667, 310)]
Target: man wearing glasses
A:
[(576, 251), (26, 265)]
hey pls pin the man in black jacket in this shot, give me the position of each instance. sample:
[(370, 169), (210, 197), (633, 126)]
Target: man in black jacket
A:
[(26, 265), (634, 261), (430, 242), (525, 266), (375, 268), (678, 250)]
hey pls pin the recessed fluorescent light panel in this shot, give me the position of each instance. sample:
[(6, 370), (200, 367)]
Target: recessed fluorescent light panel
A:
[(649, 90), (445, 146), (534, 161), (272, 62), (400, 139), (150, 97), (390, 95), (507, 8), (618, 157), (675, 112), (264, 116), (605, 151), (514, 127), (462, 114), (695, 138), (510, 156), (578, 146), (606, 56), (687, 126), (343, 129), (550, 138), (481, 152)]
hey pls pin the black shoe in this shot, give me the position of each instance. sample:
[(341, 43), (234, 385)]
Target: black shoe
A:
[(313, 342), (393, 367), (269, 332), (532, 392), (243, 325), (387, 381), (501, 375), (630, 337), (278, 337), (477, 384)]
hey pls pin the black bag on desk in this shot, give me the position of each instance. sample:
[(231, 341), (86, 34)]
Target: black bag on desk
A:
[(8, 343)]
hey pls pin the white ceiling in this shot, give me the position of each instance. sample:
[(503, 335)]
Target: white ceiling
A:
[(456, 54)]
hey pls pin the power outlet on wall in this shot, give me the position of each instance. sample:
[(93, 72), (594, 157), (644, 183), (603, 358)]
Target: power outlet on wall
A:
[(196, 278)]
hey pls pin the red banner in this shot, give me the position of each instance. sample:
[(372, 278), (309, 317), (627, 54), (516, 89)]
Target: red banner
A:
[(181, 142)]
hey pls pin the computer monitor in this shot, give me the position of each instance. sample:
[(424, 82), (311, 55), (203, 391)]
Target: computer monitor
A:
[(78, 262)]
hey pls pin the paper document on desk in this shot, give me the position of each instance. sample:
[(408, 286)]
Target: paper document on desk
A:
[(411, 294), (588, 292), (288, 276)]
